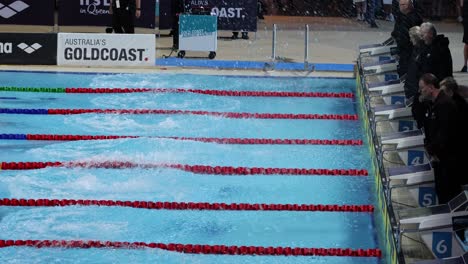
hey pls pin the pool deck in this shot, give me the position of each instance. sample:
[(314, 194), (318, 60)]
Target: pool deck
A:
[(333, 44)]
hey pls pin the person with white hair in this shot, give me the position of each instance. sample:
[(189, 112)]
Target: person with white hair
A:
[(407, 18), (439, 58)]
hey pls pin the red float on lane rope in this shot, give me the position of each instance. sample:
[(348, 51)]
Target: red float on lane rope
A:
[(198, 249), (197, 169)]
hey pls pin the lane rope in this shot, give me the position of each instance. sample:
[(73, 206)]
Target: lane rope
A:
[(259, 141), (177, 112), (187, 205), (197, 248), (197, 169), (75, 90)]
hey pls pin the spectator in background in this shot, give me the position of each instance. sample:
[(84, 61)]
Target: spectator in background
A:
[(395, 8), (360, 9), (123, 15), (388, 10), (370, 13), (443, 139), (436, 7), (464, 5), (235, 35), (260, 12), (459, 4), (407, 18)]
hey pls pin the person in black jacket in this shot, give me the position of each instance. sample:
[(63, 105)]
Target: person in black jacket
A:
[(439, 58), (451, 88), (415, 71), (415, 67), (123, 15), (406, 19), (443, 139)]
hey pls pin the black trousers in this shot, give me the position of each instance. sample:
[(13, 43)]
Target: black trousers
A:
[(446, 174), (123, 21)]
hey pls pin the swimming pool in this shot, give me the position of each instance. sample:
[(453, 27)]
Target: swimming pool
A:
[(259, 228)]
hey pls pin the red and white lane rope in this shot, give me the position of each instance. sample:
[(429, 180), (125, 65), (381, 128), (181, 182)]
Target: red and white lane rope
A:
[(197, 169), (188, 205), (251, 141), (204, 113), (209, 92), (197, 248)]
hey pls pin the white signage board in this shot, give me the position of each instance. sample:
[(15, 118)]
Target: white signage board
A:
[(106, 49)]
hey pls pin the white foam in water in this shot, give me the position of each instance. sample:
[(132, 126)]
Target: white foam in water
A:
[(157, 156), (110, 123), (138, 81), (168, 123)]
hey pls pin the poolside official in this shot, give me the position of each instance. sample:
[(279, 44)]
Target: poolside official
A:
[(123, 15)]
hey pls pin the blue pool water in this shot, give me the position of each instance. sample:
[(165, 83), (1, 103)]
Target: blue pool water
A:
[(294, 229)]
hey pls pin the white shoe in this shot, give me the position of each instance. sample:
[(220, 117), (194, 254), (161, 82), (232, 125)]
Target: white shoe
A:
[(460, 19), (391, 18)]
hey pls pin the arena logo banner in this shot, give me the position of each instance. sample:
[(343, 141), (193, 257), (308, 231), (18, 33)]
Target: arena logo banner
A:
[(106, 49), (28, 49), (27, 12), (96, 13), (236, 15)]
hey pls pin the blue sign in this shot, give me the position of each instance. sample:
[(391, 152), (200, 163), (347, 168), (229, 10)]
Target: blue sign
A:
[(405, 125), (415, 157), (442, 244), (384, 58), (397, 100), (390, 77), (427, 196)]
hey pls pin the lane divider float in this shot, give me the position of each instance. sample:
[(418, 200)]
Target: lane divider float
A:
[(197, 169), (177, 112), (188, 205), (197, 248), (81, 90), (251, 141)]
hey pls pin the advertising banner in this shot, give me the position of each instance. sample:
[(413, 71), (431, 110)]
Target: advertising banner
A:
[(106, 49), (96, 13), (197, 33), (28, 49), (235, 15), (27, 12)]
